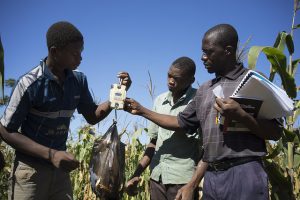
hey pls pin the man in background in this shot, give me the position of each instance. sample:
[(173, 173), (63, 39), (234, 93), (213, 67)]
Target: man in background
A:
[(172, 156)]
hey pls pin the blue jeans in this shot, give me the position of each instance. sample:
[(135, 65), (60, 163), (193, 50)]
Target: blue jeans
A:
[(248, 181)]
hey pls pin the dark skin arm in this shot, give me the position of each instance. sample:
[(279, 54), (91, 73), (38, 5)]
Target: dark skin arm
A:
[(165, 121), (263, 128), (131, 185), (59, 159), (187, 191), (101, 112)]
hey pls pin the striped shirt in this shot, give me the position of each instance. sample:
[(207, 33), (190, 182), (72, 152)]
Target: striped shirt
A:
[(41, 109), (201, 113)]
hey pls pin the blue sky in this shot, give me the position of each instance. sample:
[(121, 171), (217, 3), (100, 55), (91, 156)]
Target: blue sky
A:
[(136, 36)]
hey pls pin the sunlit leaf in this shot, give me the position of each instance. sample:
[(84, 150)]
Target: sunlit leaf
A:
[(280, 41), (287, 79), (137, 133), (278, 62), (253, 56), (275, 173), (297, 111), (297, 26), (290, 44), (296, 160), (291, 136), (82, 154), (276, 151), (272, 74), (295, 66)]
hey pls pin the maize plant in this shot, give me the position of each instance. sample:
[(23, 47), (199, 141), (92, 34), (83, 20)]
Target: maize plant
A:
[(81, 145), (8, 154), (283, 160), (134, 153)]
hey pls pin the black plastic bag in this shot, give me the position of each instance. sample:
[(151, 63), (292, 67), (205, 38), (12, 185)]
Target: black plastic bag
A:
[(107, 165)]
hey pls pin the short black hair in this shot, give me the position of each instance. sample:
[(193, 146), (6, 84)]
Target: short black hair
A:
[(186, 64), (226, 35), (62, 33)]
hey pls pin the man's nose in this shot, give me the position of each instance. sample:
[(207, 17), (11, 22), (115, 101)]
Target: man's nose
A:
[(204, 57), (171, 81)]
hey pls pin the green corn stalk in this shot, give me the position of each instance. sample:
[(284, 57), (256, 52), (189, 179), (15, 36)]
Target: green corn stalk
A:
[(81, 147), (283, 161), (8, 153), (134, 153)]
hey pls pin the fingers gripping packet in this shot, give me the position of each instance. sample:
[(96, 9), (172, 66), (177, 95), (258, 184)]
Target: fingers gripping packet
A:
[(107, 165), (117, 96)]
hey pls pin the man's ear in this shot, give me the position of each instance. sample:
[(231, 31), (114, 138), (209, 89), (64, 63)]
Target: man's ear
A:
[(228, 50), (53, 51)]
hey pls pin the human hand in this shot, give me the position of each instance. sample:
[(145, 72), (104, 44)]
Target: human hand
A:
[(63, 160), (185, 193), (125, 79), (132, 106), (230, 109), (131, 186)]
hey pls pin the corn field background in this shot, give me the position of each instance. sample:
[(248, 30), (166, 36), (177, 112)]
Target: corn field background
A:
[(81, 145), (283, 159)]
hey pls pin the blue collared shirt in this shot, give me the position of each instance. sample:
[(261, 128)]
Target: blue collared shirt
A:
[(41, 108)]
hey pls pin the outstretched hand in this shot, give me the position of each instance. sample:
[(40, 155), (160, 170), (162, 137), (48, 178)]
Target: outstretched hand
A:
[(132, 106), (125, 79), (131, 186), (64, 160)]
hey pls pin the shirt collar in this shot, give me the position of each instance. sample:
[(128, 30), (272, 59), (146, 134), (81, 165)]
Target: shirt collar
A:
[(49, 74), (169, 97), (232, 75)]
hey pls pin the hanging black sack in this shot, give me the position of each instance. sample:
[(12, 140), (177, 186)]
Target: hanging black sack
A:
[(107, 165)]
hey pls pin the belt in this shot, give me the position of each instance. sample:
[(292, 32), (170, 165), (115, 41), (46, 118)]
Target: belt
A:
[(223, 165)]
